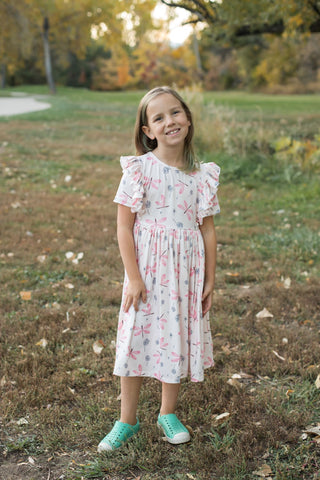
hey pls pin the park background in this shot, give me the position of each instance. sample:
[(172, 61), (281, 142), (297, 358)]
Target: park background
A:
[(250, 72)]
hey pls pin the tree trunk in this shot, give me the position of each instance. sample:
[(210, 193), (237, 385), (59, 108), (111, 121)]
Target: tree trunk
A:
[(197, 54), (3, 75), (47, 56)]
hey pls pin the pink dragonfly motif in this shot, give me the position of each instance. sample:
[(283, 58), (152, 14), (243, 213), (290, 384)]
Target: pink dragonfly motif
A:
[(162, 344), (164, 258), (147, 311), (187, 210), (190, 295), (151, 269), (131, 353), (162, 322), (162, 202), (208, 362), (192, 271), (137, 176), (151, 182), (139, 371), (158, 375), (154, 249), (158, 357), (124, 197), (164, 281), (176, 358), (193, 314), (181, 186), (175, 234), (200, 188), (175, 295), (156, 222), (142, 330)]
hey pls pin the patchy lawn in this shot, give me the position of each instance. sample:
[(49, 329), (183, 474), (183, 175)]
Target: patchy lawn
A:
[(61, 277)]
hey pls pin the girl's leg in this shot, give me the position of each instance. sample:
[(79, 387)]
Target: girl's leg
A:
[(130, 389), (128, 425), (170, 392), (173, 429)]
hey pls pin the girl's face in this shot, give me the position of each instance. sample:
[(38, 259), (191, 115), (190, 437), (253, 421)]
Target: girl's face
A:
[(167, 121)]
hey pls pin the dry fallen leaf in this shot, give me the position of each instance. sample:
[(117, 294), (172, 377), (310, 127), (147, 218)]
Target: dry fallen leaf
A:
[(264, 471), (287, 283), (42, 343), (22, 421), (221, 418), (234, 383), (313, 430), (98, 346), (24, 295), (317, 382), (264, 314)]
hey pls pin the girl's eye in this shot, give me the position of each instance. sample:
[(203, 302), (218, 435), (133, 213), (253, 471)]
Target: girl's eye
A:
[(157, 119)]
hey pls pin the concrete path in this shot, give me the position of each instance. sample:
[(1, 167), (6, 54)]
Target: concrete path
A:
[(20, 104)]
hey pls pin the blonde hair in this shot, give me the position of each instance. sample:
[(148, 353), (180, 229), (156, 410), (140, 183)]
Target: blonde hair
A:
[(144, 144)]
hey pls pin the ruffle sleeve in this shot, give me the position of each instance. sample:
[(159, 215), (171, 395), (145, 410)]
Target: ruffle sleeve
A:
[(131, 190), (208, 203)]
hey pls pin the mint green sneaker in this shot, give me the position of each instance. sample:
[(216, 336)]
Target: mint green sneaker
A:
[(119, 435), (173, 429)]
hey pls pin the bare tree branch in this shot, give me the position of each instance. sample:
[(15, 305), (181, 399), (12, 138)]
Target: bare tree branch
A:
[(209, 12), (314, 6)]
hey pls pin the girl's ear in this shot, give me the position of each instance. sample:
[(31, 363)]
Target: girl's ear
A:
[(146, 131)]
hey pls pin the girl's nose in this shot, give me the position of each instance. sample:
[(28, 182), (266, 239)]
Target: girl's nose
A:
[(169, 120)]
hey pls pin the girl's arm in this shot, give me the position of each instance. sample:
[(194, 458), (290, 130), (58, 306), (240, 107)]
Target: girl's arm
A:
[(136, 288), (210, 245)]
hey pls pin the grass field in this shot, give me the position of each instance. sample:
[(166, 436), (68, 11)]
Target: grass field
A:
[(58, 310)]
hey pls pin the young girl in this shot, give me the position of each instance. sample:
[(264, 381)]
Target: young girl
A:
[(167, 241)]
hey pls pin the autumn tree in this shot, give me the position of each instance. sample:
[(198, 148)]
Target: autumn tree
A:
[(238, 18), (66, 26)]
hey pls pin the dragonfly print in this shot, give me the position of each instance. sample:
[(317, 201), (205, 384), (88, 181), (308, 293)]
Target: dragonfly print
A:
[(150, 182), (162, 202), (142, 330), (157, 222), (177, 358), (125, 198), (187, 210), (164, 258), (132, 353), (164, 281), (181, 186), (147, 312), (139, 371), (151, 269)]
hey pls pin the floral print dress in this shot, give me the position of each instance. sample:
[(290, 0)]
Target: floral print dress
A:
[(168, 338)]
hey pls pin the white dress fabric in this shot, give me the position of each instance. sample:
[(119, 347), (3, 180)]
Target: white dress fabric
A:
[(168, 338)]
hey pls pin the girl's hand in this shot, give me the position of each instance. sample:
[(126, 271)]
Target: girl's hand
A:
[(207, 298), (136, 289)]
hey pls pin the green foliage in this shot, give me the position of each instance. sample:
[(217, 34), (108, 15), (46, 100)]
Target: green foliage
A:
[(304, 153)]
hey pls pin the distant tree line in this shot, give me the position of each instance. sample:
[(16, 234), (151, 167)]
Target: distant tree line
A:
[(109, 45)]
